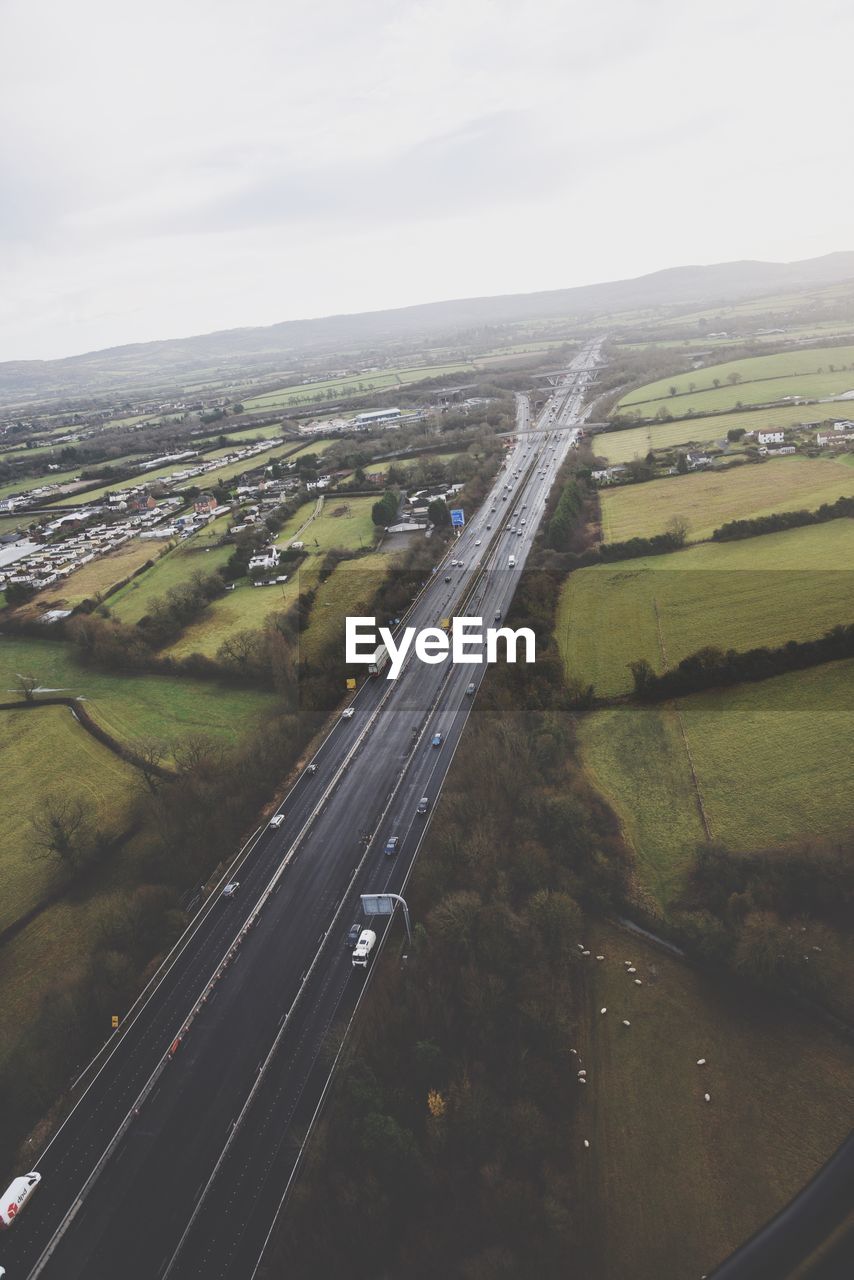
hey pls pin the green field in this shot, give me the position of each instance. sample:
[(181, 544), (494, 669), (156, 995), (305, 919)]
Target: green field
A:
[(45, 751), (672, 1184), (773, 761), (135, 706), (245, 608), (352, 384), (348, 590), (761, 379), (708, 499), (343, 522), (761, 591), (133, 601)]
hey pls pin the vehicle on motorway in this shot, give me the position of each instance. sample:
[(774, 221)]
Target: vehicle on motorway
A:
[(423, 805), (230, 889), (470, 689), (277, 820), (511, 561), (15, 1197), (524, 519), (391, 846), (379, 659), (520, 532), (365, 945), (436, 740), (488, 527), (348, 713), (353, 935), (311, 768), (478, 541), (447, 577), (497, 615)]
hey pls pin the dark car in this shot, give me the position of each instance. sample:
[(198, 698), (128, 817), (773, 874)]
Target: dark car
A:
[(436, 740), (447, 577), (470, 690), (391, 846), (353, 934)]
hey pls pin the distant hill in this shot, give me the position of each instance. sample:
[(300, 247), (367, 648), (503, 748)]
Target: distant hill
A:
[(141, 366)]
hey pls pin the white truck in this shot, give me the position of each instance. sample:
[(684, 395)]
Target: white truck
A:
[(379, 659), (16, 1196), (511, 562), (364, 947)]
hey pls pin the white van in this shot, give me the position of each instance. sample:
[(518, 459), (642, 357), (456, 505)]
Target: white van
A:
[(511, 562)]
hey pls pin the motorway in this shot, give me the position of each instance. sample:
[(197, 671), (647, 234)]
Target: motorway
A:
[(189, 1129)]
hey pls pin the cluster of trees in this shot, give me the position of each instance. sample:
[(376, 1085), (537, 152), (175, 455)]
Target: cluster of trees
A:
[(562, 525), (383, 512), (182, 604), (751, 528), (711, 668), (759, 914), (452, 1132)]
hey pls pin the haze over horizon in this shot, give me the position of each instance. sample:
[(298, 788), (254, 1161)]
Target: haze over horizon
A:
[(262, 167)]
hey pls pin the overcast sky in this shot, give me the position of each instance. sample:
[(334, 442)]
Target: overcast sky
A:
[(183, 166)]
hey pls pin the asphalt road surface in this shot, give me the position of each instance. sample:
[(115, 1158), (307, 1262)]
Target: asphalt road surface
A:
[(189, 1128)]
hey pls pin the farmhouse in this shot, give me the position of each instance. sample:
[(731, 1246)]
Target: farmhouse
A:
[(771, 437)]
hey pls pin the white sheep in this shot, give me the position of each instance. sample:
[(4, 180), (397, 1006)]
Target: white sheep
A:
[(708, 1097), (701, 1062), (603, 1009), (626, 1022), (580, 946), (638, 982), (631, 969), (600, 957), (586, 1143), (585, 953)]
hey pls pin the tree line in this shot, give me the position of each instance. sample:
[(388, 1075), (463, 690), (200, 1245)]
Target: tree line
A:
[(711, 668), (753, 527)]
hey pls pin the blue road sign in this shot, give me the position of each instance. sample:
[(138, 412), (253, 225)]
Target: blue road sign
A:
[(458, 518)]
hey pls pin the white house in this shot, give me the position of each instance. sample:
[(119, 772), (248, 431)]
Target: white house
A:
[(771, 437), (267, 560)]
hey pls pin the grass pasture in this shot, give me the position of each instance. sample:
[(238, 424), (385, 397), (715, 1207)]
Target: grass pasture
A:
[(243, 609), (671, 1184), (134, 601), (761, 379), (46, 751), (134, 706), (773, 761), (708, 499), (348, 590), (793, 585)]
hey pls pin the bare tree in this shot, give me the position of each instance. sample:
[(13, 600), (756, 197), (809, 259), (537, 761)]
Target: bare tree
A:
[(678, 527), (27, 686), (62, 830), (148, 754)]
